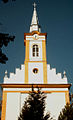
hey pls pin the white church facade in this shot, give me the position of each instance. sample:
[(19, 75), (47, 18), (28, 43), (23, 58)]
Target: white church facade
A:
[(35, 71)]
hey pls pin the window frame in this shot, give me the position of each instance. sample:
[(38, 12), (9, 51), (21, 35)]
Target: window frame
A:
[(35, 50)]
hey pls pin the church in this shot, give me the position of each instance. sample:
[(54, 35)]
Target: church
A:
[(35, 71)]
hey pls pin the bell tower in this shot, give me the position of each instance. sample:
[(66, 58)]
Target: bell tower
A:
[(35, 53)]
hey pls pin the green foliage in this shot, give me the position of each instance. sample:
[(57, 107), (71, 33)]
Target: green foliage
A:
[(6, 1), (67, 113), (34, 107), (4, 40)]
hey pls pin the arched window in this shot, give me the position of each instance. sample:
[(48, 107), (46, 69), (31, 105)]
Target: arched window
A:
[(35, 50)]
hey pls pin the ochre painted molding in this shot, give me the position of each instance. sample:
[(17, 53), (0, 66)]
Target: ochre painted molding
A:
[(45, 72), (44, 63), (26, 63), (67, 97), (35, 61), (43, 51), (4, 106), (27, 51), (28, 91), (35, 85), (34, 32), (54, 91), (36, 39), (26, 73)]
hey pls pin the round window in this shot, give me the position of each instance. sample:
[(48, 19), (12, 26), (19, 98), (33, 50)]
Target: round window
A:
[(35, 70)]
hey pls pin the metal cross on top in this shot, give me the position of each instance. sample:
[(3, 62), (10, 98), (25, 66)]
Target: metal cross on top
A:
[(34, 4)]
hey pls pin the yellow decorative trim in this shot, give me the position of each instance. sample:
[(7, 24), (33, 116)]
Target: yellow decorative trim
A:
[(35, 32), (67, 97), (36, 85), (45, 72), (27, 51), (44, 64), (26, 61), (26, 72), (45, 91), (43, 51), (4, 106), (35, 61), (28, 38), (17, 91)]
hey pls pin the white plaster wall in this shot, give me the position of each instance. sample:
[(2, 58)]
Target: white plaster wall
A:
[(33, 28), (17, 89), (54, 104), (17, 77), (35, 78), (55, 101), (29, 89), (41, 37), (13, 106), (53, 78), (39, 43), (23, 99)]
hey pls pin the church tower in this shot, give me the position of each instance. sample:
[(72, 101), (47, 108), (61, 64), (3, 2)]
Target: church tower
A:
[(35, 55), (35, 71)]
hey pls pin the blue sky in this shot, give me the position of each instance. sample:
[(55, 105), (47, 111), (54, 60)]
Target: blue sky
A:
[(55, 18)]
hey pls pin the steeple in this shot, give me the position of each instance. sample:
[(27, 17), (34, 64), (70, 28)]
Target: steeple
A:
[(34, 23)]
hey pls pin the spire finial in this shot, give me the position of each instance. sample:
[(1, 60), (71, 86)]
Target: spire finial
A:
[(35, 23), (64, 73), (34, 4), (6, 73)]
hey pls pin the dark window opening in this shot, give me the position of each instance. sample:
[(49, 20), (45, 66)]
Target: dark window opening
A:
[(35, 51), (35, 70)]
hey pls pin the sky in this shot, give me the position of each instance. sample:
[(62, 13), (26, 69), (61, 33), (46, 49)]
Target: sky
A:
[(55, 18)]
